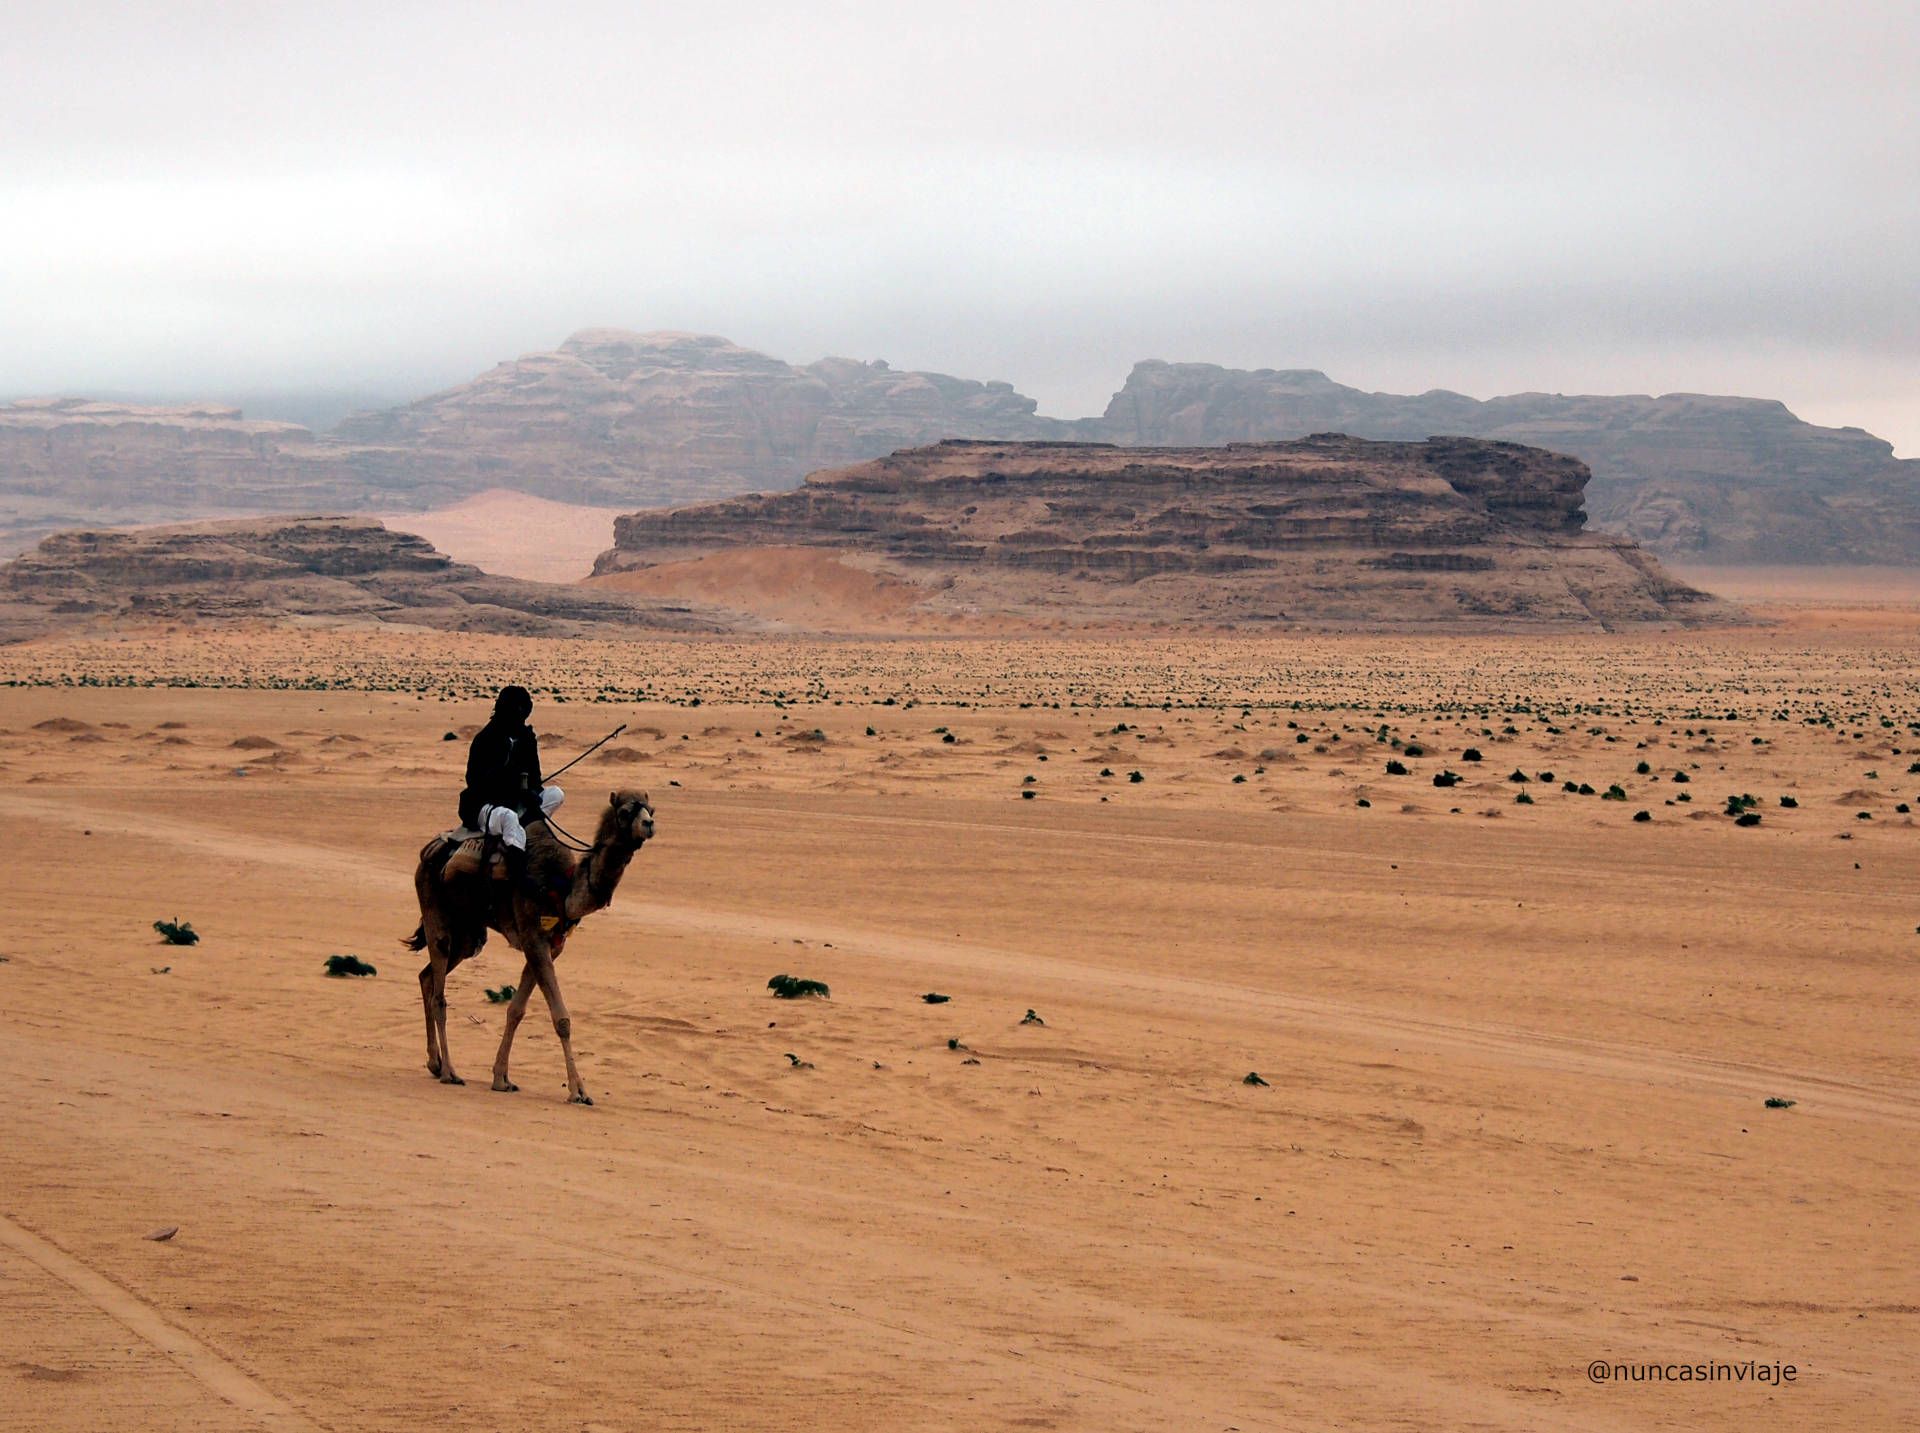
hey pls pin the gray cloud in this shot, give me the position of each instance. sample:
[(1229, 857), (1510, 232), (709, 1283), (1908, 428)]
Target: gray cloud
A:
[(218, 198)]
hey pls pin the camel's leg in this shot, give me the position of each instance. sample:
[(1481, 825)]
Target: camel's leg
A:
[(562, 1025), (440, 966), (516, 1011), (426, 1005)]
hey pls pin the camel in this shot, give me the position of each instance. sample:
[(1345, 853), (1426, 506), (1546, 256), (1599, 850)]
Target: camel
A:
[(460, 903)]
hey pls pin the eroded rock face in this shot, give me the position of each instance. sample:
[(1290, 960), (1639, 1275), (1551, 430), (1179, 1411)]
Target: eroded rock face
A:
[(66, 463), (616, 417), (644, 419), (1328, 531), (1714, 479), (269, 568), (608, 418)]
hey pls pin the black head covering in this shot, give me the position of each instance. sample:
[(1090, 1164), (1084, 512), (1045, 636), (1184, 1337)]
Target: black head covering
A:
[(514, 704)]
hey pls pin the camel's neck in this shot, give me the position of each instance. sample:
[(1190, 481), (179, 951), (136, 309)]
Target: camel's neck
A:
[(596, 878)]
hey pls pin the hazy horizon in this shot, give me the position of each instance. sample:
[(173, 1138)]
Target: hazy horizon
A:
[(233, 203)]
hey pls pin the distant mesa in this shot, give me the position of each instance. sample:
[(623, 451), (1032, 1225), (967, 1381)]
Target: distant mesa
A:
[(1732, 480), (1324, 532), (325, 568), (613, 418), (664, 417)]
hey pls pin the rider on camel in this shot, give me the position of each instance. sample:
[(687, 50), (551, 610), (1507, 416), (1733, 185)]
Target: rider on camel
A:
[(503, 789)]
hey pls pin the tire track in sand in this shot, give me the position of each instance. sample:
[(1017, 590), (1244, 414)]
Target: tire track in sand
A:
[(215, 1373)]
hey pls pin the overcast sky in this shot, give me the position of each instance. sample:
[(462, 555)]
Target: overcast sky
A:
[(223, 198)]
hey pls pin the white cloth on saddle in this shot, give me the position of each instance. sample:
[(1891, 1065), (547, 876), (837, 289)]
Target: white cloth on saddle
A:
[(504, 821)]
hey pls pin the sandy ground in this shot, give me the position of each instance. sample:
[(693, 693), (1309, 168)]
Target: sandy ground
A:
[(515, 534), (1516, 1054)]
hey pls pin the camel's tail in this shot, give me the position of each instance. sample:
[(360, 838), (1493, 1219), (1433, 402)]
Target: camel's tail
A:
[(418, 940)]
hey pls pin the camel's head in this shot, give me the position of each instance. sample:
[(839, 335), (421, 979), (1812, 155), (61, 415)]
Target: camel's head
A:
[(630, 817)]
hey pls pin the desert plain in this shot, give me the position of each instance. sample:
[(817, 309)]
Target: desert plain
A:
[(1516, 1054)]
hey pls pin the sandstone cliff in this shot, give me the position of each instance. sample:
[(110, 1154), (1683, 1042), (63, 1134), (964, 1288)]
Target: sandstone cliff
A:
[(340, 568), (69, 463), (634, 418), (1714, 479), (631, 419), (1327, 532)]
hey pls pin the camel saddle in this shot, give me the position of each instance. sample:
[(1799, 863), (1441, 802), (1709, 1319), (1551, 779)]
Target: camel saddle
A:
[(463, 852)]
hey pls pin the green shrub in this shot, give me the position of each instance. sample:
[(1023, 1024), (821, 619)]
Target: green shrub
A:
[(177, 932)]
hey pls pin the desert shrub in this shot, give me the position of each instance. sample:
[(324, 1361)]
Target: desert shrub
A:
[(500, 996), (1789, 802), (1774, 1102), (1135, 776), (1446, 778), (1523, 800), (1615, 792), (177, 932), (1643, 769), (343, 965), (934, 997), (1747, 818), (1472, 753), (1413, 749), (1643, 815), (1396, 768), (1681, 777), (1363, 802), (1253, 1078), (792, 987), (1519, 776)]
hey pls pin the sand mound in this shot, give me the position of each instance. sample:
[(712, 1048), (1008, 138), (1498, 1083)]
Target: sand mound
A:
[(515, 534), (795, 586)]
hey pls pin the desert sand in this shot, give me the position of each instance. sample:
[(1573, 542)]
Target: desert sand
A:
[(1516, 1054), (515, 534)]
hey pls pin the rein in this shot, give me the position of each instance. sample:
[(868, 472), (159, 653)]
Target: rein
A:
[(566, 837)]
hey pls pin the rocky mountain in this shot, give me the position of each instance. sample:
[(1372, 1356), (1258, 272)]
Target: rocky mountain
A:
[(1329, 531), (340, 568), (1713, 479), (609, 417), (647, 419), (623, 417), (68, 463)]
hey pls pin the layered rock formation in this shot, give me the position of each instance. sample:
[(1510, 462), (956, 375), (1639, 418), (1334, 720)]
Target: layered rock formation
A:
[(1713, 479), (343, 568), (671, 417), (631, 419), (1326, 532), (67, 463)]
